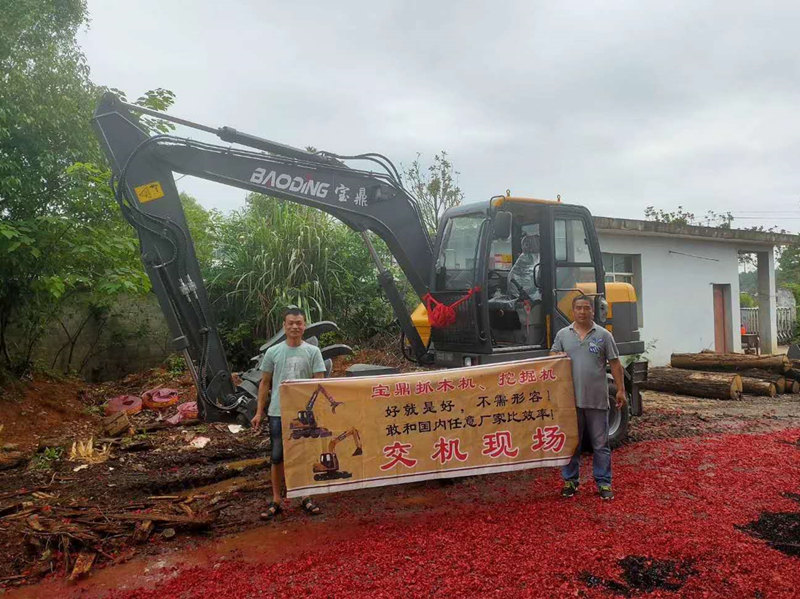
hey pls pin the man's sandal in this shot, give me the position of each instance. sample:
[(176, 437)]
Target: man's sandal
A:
[(310, 507), (273, 509)]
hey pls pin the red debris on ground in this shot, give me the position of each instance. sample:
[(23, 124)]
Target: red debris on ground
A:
[(130, 404), (678, 502)]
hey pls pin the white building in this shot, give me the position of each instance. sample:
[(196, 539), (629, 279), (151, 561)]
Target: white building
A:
[(687, 282)]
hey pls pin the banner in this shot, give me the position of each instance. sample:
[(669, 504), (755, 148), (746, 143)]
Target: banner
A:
[(351, 433)]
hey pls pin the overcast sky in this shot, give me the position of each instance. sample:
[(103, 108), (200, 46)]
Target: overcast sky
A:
[(692, 103)]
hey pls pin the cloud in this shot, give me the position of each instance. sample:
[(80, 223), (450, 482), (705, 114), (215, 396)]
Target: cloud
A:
[(615, 106)]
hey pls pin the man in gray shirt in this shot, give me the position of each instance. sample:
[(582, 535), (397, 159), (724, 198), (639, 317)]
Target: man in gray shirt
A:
[(590, 346)]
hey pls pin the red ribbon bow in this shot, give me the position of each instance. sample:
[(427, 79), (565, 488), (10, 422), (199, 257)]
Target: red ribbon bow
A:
[(441, 315)]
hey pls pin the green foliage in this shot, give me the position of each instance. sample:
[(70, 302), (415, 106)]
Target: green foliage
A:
[(788, 271), (272, 254), (721, 220), (436, 188), (61, 232), (747, 301), (175, 364), (45, 459), (204, 228)]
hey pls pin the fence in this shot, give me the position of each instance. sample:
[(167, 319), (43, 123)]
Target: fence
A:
[(787, 318)]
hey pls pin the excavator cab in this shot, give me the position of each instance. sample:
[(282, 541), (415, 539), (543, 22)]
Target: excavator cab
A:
[(306, 417), (329, 462), (510, 269)]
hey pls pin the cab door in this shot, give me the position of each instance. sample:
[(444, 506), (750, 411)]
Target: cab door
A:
[(461, 252), (578, 265)]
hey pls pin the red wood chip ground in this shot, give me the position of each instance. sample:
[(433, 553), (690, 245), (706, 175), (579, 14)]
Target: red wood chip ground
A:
[(678, 502)]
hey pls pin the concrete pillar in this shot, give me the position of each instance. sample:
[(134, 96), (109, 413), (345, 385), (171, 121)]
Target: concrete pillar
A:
[(767, 302)]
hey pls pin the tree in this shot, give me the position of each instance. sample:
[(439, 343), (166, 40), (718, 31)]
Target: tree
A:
[(721, 220), (61, 232), (436, 188)]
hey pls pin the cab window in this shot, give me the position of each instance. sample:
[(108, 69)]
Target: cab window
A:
[(458, 254)]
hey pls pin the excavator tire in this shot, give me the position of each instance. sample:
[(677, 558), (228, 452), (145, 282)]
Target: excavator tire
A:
[(617, 419)]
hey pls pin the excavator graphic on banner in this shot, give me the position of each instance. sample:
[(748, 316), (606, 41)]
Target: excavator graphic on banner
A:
[(495, 283), (305, 425), (328, 466)]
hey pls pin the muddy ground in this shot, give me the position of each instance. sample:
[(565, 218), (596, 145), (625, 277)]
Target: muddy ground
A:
[(218, 491)]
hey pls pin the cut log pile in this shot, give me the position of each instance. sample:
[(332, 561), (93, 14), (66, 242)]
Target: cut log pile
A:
[(726, 376), (719, 385), (730, 362)]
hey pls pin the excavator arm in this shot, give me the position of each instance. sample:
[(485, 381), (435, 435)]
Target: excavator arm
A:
[(321, 389), (144, 185), (356, 439)]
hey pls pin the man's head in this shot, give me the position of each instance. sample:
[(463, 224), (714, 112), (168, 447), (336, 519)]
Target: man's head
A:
[(530, 243), (294, 325), (582, 309)]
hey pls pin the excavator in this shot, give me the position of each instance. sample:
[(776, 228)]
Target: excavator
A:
[(305, 425), (328, 466), (481, 302)]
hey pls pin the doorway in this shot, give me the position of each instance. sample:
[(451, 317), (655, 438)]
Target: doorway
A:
[(722, 319)]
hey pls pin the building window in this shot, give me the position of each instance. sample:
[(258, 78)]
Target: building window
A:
[(619, 268), (626, 268)]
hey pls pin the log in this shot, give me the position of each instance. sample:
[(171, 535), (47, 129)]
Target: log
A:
[(793, 373), (173, 519), (157, 426), (82, 565), (117, 424), (794, 387), (12, 459), (727, 362), (753, 386), (715, 385), (142, 531), (765, 375)]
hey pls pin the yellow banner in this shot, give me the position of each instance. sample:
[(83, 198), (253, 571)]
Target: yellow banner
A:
[(351, 433)]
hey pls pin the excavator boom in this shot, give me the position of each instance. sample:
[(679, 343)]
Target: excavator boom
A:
[(143, 167)]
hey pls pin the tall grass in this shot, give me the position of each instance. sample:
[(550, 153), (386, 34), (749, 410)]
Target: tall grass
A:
[(273, 254)]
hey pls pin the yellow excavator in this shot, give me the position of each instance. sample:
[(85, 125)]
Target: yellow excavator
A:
[(328, 466)]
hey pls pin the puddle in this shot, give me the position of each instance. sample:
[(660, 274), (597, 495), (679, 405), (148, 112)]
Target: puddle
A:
[(647, 574), (264, 545), (780, 529), (643, 574)]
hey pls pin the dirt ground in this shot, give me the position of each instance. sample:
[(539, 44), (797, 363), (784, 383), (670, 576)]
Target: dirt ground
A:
[(210, 498)]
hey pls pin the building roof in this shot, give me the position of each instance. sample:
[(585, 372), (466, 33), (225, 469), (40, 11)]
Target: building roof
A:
[(628, 226)]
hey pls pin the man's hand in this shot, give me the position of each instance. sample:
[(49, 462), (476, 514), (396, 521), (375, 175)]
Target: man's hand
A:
[(256, 421), (558, 354), (621, 398)]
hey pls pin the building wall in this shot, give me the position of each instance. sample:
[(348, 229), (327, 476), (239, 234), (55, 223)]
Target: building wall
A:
[(676, 291)]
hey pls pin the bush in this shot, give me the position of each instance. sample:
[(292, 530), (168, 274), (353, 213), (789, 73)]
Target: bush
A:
[(273, 254), (747, 301)]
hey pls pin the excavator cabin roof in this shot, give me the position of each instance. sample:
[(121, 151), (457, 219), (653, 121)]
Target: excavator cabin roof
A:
[(498, 201)]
